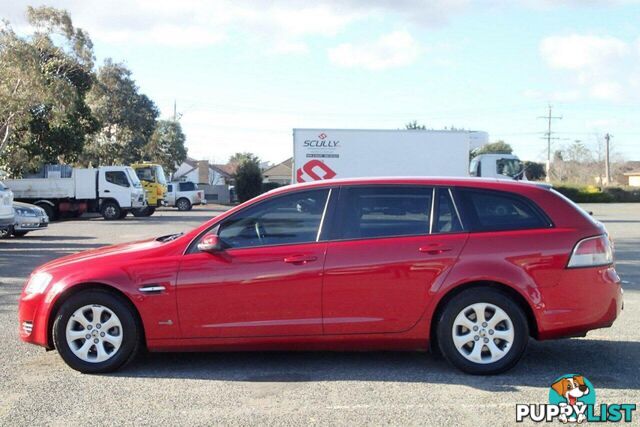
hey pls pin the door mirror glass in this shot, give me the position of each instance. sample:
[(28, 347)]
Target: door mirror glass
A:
[(210, 243)]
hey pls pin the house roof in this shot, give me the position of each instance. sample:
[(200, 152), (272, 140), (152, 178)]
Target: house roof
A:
[(229, 168), (221, 169), (281, 169), (632, 173)]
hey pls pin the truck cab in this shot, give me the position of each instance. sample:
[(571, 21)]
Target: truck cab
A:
[(154, 183), (500, 166)]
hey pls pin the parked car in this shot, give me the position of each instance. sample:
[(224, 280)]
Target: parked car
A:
[(471, 267), (7, 217), (27, 218), (184, 195)]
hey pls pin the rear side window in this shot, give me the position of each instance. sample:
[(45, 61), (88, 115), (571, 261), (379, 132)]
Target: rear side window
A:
[(496, 210), (368, 212), (187, 186)]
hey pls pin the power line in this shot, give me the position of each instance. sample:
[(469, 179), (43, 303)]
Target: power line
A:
[(549, 118)]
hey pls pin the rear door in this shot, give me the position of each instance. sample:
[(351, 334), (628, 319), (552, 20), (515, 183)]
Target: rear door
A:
[(389, 245)]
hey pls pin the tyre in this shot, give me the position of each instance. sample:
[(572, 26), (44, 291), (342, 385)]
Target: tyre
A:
[(183, 204), (49, 210), (20, 233), (142, 212), (110, 210), (5, 233), (482, 331), (95, 331)]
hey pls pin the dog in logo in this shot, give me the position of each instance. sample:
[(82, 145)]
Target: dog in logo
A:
[(572, 389)]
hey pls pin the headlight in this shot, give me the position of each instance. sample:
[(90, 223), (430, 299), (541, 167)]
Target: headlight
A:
[(25, 212), (38, 283)]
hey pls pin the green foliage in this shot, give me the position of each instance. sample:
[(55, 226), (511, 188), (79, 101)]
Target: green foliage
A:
[(248, 178), (414, 126), (535, 171), (238, 158), (498, 147), (268, 186), (127, 118), (43, 82), (607, 195), (166, 146)]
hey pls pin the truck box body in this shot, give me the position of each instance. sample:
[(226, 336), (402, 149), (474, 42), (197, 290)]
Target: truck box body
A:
[(81, 185), (350, 153)]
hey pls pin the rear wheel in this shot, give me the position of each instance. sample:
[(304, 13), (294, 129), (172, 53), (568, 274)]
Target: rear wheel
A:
[(183, 204), (482, 331), (110, 210), (6, 232), (96, 331)]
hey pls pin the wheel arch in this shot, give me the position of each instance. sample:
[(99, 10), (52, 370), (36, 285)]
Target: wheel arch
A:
[(509, 290), (104, 200), (82, 287)]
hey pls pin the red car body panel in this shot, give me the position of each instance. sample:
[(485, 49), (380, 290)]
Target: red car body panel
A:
[(354, 294)]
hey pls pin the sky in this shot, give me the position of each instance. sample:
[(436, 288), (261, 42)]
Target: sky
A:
[(244, 73)]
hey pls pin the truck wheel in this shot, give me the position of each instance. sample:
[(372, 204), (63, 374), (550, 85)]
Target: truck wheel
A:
[(142, 212), (482, 331), (183, 204), (95, 331), (48, 209), (110, 210)]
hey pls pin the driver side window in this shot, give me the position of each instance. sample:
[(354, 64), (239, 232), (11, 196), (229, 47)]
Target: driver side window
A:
[(289, 219)]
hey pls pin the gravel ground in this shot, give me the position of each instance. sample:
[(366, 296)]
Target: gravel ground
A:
[(287, 388)]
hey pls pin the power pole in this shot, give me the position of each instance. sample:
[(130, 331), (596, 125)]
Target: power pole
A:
[(175, 112), (549, 117), (607, 165)]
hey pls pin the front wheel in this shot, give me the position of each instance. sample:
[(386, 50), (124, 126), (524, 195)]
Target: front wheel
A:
[(111, 210), (95, 332), (482, 331), (142, 212)]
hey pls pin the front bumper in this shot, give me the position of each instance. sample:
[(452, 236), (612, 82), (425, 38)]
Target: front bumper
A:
[(584, 299), (32, 319), (7, 222), (30, 223)]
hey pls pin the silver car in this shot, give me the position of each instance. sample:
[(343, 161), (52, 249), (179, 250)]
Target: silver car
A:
[(28, 218)]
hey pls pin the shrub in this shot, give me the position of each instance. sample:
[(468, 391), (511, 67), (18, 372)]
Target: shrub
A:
[(248, 180), (591, 194)]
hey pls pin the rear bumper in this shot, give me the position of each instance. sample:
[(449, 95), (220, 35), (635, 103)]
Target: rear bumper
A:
[(584, 299)]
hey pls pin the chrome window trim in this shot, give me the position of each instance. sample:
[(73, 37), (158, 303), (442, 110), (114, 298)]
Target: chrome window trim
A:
[(324, 214)]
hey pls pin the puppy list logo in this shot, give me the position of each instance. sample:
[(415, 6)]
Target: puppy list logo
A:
[(572, 399)]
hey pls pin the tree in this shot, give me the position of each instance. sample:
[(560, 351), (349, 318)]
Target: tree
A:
[(534, 171), (238, 158), (248, 177), (44, 79), (498, 147), (127, 118), (414, 126), (166, 146)]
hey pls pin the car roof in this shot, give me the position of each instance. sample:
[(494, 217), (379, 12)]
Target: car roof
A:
[(493, 183)]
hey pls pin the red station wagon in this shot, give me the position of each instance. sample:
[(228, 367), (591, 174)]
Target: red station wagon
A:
[(469, 267)]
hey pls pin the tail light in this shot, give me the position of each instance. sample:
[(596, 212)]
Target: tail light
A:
[(592, 252)]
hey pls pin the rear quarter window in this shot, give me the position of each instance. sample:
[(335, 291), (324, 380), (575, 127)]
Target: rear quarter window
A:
[(490, 210)]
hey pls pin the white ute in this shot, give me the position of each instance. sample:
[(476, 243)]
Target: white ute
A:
[(111, 190), (184, 195)]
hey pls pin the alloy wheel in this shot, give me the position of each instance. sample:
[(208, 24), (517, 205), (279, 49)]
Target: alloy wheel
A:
[(94, 333)]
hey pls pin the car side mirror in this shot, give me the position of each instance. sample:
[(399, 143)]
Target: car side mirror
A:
[(210, 243)]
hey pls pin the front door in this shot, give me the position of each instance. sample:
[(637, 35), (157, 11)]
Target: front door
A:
[(383, 260), (267, 281)]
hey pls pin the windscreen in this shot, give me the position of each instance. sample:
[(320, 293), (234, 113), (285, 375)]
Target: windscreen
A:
[(509, 167), (161, 178)]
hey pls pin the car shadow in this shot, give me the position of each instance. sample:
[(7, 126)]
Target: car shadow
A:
[(599, 360)]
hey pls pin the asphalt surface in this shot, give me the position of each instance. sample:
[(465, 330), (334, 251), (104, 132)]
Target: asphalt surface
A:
[(289, 388)]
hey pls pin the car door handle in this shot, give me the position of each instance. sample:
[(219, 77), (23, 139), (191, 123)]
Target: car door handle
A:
[(300, 259), (107, 191), (434, 249)]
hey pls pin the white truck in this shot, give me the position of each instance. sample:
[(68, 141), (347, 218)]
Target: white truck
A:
[(111, 190), (183, 195), (349, 153), (7, 216)]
